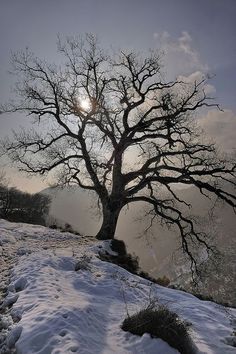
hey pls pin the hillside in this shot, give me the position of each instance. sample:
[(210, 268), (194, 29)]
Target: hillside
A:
[(63, 298), (157, 249)]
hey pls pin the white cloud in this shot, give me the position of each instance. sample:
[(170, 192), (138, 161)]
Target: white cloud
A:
[(221, 127), (198, 76), (180, 55), (184, 42), (183, 61)]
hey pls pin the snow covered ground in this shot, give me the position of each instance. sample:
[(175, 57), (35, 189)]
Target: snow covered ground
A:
[(63, 299)]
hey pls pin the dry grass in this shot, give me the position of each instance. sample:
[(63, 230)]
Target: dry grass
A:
[(162, 323)]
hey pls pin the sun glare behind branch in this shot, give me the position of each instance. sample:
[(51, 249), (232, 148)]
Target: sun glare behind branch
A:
[(85, 104)]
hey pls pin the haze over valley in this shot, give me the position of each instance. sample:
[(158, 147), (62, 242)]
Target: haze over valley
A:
[(158, 249)]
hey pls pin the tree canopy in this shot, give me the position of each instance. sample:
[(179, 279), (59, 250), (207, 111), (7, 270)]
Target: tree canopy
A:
[(112, 124)]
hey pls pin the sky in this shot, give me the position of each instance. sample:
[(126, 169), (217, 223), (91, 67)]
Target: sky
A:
[(196, 37)]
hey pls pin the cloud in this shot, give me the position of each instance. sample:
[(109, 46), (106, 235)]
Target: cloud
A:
[(180, 55), (184, 62), (198, 76), (221, 127), (184, 42)]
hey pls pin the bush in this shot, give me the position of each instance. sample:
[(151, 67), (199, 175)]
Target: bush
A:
[(83, 263), (162, 323), (53, 226), (127, 261), (119, 247), (68, 228), (163, 281), (123, 259)]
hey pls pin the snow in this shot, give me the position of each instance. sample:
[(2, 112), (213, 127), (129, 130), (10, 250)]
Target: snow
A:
[(57, 309)]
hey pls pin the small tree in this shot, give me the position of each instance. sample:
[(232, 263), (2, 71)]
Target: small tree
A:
[(3, 179), (19, 206), (114, 126), (4, 194)]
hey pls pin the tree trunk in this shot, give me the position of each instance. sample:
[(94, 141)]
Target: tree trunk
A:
[(108, 228)]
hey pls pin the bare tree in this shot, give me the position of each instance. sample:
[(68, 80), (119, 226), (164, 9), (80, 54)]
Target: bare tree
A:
[(4, 195), (19, 206), (114, 126), (3, 179)]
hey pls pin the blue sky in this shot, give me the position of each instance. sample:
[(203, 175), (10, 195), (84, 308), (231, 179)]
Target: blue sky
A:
[(197, 36)]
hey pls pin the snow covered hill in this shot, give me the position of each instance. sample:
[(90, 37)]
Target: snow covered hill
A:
[(62, 298), (158, 249)]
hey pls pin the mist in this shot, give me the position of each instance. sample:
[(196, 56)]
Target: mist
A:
[(158, 247)]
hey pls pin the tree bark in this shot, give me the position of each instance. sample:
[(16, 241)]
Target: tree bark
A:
[(108, 227)]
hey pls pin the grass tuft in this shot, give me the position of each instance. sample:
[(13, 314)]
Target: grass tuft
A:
[(162, 323)]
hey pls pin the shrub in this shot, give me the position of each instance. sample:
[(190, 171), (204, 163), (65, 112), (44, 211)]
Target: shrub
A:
[(131, 263), (164, 281), (68, 228), (83, 263), (127, 261), (119, 247), (162, 323), (146, 275), (53, 226), (123, 259)]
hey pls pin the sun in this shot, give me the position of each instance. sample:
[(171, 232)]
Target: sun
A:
[(85, 104)]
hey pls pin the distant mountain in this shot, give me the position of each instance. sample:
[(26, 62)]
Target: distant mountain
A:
[(157, 249)]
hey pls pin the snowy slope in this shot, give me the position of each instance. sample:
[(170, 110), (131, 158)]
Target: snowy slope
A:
[(157, 248), (57, 309)]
